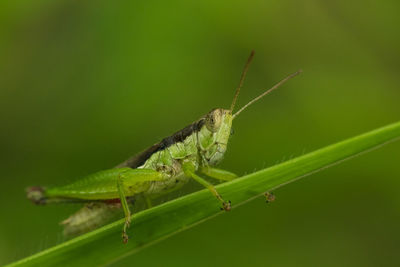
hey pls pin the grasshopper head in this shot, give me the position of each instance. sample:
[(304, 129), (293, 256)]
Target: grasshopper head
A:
[(215, 133)]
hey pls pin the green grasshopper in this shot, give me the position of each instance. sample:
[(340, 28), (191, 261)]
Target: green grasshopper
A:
[(163, 167)]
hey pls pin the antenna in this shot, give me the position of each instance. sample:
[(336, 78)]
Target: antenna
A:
[(267, 92), (246, 67)]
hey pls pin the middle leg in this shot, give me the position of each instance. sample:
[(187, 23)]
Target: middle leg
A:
[(189, 170)]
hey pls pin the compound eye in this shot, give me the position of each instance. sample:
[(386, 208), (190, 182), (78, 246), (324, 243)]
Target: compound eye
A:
[(213, 120)]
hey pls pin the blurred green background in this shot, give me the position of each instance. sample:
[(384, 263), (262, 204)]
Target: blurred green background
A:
[(86, 84)]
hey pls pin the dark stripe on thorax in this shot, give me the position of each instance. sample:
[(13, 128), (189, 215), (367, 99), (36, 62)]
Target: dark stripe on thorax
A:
[(177, 137)]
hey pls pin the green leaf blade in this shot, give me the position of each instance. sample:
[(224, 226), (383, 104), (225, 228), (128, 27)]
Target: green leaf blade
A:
[(104, 245)]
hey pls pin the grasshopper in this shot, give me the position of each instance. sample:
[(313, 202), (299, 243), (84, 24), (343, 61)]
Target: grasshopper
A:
[(163, 167)]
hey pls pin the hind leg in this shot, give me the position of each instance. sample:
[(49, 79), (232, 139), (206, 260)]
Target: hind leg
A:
[(127, 182), (125, 207)]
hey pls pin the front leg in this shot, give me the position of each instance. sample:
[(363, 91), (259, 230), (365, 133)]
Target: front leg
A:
[(218, 174), (269, 197), (189, 170)]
